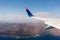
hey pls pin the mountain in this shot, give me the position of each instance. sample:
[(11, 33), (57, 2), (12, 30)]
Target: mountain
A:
[(25, 29)]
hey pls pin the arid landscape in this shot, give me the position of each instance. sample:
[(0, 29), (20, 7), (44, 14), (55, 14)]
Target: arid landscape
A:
[(25, 29)]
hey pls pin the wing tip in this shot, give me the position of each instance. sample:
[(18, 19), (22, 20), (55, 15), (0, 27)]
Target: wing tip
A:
[(28, 12), (26, 8)]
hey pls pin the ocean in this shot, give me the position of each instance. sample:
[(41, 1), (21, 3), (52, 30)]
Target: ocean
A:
[(44, 37)]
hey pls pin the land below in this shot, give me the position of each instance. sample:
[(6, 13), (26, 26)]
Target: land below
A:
[(25, 29)]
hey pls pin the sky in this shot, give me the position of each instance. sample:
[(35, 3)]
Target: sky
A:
[(14, 9)]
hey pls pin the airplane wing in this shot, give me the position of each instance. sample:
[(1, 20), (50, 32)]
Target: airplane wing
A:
[(32, 16), (52, 23)]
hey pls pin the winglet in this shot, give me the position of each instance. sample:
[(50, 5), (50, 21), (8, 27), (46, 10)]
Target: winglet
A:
[(28, 12)]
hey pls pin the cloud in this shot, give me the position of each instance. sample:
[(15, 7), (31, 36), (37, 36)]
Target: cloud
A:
[(22, 18), (46, 14), (18, 18), (42, 14), (11, 17)]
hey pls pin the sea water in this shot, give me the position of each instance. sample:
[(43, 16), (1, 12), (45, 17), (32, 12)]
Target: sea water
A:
[(43, 37)]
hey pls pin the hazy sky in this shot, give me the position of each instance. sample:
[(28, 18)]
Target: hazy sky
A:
[(12, 8)]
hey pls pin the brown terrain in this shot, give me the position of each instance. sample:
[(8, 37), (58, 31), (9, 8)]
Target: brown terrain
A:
[(25, 29)]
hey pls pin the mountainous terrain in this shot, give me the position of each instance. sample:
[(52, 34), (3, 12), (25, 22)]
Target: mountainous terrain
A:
[(25, 29)]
